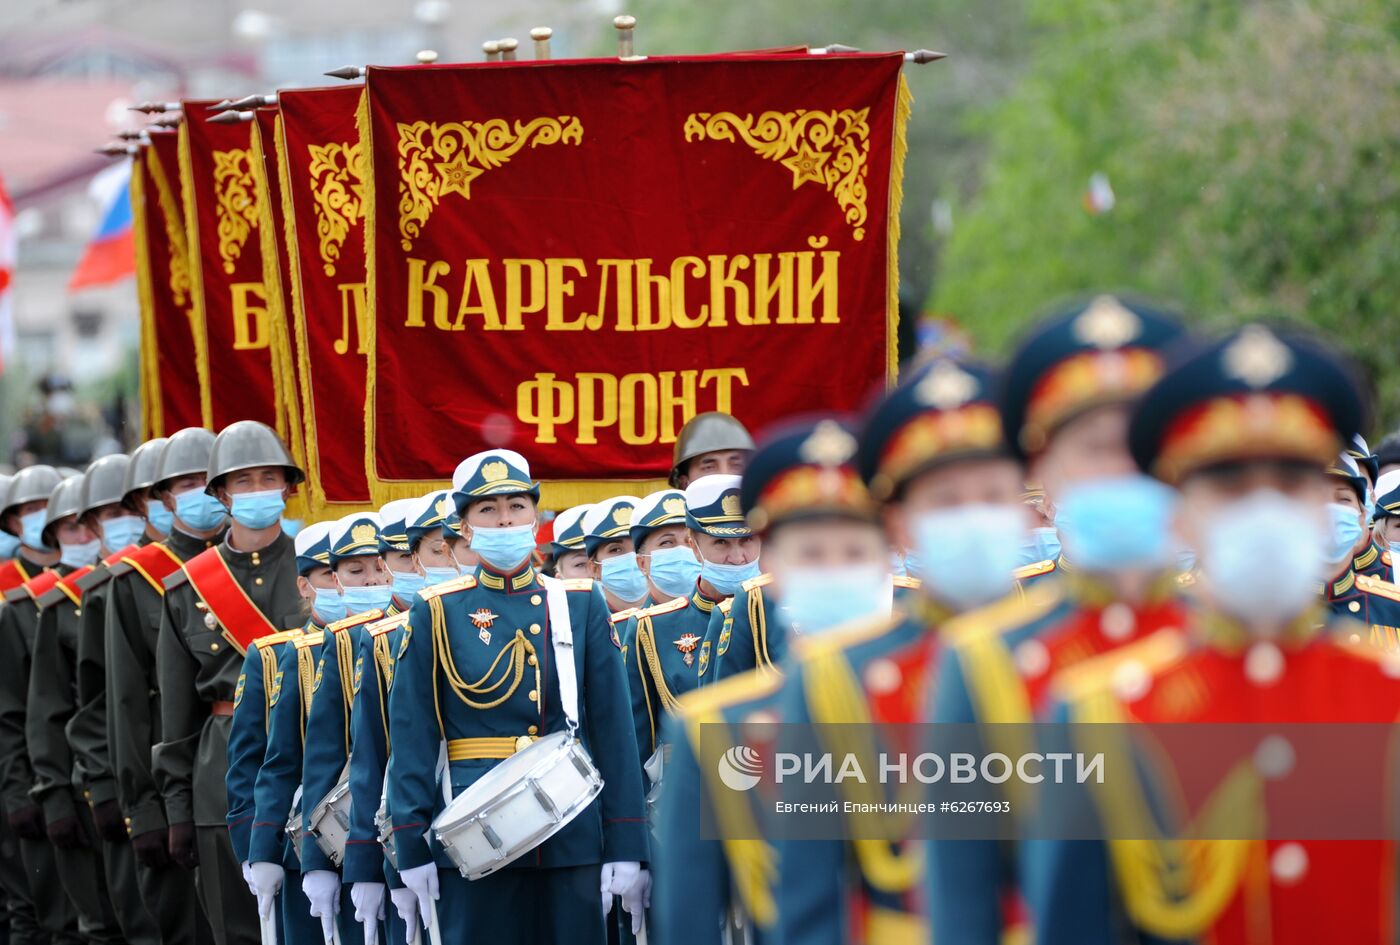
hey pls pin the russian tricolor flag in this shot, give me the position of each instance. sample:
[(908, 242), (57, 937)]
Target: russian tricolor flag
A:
[(111, 256)]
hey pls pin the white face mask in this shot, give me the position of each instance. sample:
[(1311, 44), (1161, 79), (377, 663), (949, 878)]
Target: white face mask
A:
[(818, 599), (966, 554), (79, 555), (1264, 556)]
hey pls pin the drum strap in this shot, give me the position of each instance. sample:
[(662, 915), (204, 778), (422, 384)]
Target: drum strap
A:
[(562, 639)]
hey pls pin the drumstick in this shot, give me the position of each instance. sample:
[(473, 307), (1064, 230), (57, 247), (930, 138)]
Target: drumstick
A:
[(642, 935), (268, 925), (434, 935)]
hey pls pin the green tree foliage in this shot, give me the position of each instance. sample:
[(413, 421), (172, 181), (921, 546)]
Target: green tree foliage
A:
[(1255, 152)]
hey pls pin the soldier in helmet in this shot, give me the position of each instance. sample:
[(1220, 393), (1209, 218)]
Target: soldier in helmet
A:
[(11, 576), (52, 702), (164, 482), (47, 911), (219, 602), (710, 444)]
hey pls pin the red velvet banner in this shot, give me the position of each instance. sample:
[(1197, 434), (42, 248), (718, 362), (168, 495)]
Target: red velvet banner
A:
[(571, 258), (323, 203), (221, 223), (169, 352)]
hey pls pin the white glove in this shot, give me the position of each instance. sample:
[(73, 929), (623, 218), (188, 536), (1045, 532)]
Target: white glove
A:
[(423, 880), (636, 900), (615, 879), (248, 876), (322, 888), (265, 879), (406, 904), (369, 908)]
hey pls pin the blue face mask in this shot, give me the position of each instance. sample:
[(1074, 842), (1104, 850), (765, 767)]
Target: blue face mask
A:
[(329, 605), (726, 578), (360, 599), (31, 530), (408, 583), (160, 518), (290, 526), (1263, 556), (1369, 507), (1040, 544), (967, 553), (79, 555), (121, 531), (1117, 524), (9, 544), (504, 548), (897, 564), (817, 599), (438, 575), (913, 567), (674, 570), (622, 576), (199, 510), (1344, 533), (260, 509)]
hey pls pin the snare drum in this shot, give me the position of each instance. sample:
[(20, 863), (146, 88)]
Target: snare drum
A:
[(386, 832), (294, 831), (330, 820), (517, 805)]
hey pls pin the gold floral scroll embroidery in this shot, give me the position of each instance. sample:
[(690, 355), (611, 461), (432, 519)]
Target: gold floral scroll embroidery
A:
[(831, 149), (338, 189), (237, 208), (436, 159)]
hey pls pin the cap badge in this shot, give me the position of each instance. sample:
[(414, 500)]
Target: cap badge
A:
[(622, 515), (494, 472), (442, 507), (946, 386), (730, 504), (1256, 357), (828, 445), (363, 534), (674, 506), (1106, 324)]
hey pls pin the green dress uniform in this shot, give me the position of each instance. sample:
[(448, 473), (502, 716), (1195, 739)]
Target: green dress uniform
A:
[(737, 636), (52, 702), (480, 657), (19, 622), (132, 624), (90, 734), (198, 667)]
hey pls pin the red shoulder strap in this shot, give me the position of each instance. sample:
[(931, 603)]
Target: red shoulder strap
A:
[(239, 618), (69, 584), (116, 556), (154, 562), (41, 583), (12, 575)]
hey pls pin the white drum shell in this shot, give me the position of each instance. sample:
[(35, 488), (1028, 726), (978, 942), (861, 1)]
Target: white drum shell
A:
[(330, 822), (517, 805)]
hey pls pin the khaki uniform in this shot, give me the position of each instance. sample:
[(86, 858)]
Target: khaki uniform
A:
[(197, 669)]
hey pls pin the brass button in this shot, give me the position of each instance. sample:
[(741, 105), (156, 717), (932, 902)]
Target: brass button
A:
[(127, 820), (256, 560), (213, 648), (535, 599), (257, 581), (533, 730), (1354, 606), (77, 611), (534, 628), (87, 795), (534, 695), (532, 661)]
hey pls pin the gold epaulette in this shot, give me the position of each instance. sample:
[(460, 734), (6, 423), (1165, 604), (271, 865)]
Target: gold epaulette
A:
[(355, 620), (388, 623), (1378, 587), (465, 582), (677, 603), (1013, 610), (1186, 579), (1385, 558), (315, 638), (272, 639), (577, 584), (907, 582), (622, 615), (745, 687), (1152, 653), (1034, 570), (763, 580), (726, 605)]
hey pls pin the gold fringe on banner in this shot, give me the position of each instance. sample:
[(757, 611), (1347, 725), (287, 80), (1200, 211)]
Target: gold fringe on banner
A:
[(284, 398), (197, 322), (148, 370), (903, 106)]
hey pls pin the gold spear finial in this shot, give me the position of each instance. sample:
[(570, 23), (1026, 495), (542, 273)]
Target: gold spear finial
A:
[(626, 26), (541, 35)]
